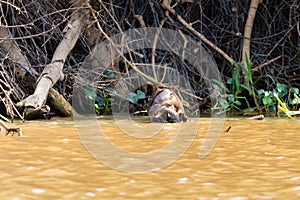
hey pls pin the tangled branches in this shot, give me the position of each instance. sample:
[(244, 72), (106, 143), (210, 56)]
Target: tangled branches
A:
[(36, 28)]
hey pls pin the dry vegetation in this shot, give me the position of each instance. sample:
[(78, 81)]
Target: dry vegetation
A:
[(31, 31)]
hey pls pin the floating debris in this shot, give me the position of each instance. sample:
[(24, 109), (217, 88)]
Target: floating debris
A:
[(257, 117), (227, 129)]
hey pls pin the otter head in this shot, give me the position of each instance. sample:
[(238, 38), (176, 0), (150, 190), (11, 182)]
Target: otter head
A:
[(166, 107)]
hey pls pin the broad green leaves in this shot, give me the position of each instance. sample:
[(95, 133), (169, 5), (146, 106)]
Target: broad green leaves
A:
[(134, 97)]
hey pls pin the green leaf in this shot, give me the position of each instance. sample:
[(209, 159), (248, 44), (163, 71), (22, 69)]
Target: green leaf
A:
[(249, 64), (237, 103), (110, 74), (132, 97), (107, 99), (140, 94), (90, 93), (100, 101), (270, 77), (261, 55), (246, 87), (219, 85), (216, 87), (244, 70), (99, 108), (260, 91), (267, 100), (295, 100), (282, 89), (294, 90), (230, 81), (283, 107), (269, 94), (224, 103), (270, 101), (236, 77), (231, 98)]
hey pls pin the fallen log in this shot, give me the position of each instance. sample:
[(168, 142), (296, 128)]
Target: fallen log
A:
[(53, 71), (27, 75), (257, 117)]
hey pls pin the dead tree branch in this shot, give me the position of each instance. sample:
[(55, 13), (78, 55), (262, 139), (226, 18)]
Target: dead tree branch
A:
[(53, 71), (166, 5)]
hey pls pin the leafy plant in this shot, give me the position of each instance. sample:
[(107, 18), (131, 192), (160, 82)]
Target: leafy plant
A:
[(101, 102), (283, 107), (293, 98), (267, 99), (134, 97), (280, 97), (264, 100), (102, 99), (234, 89), (102, 96), (248, 73)]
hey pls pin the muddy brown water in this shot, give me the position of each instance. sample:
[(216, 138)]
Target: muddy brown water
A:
[(254, 160)]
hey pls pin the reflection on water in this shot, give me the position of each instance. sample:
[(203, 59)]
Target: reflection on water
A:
[(256, 160)]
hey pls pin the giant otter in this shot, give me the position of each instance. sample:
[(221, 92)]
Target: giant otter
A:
[(166, 107)]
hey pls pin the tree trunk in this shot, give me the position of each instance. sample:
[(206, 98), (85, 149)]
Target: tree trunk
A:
[(53, 71), (247, 33), (24, 71)]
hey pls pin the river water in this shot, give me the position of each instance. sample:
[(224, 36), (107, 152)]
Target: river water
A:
[(254, 160)]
